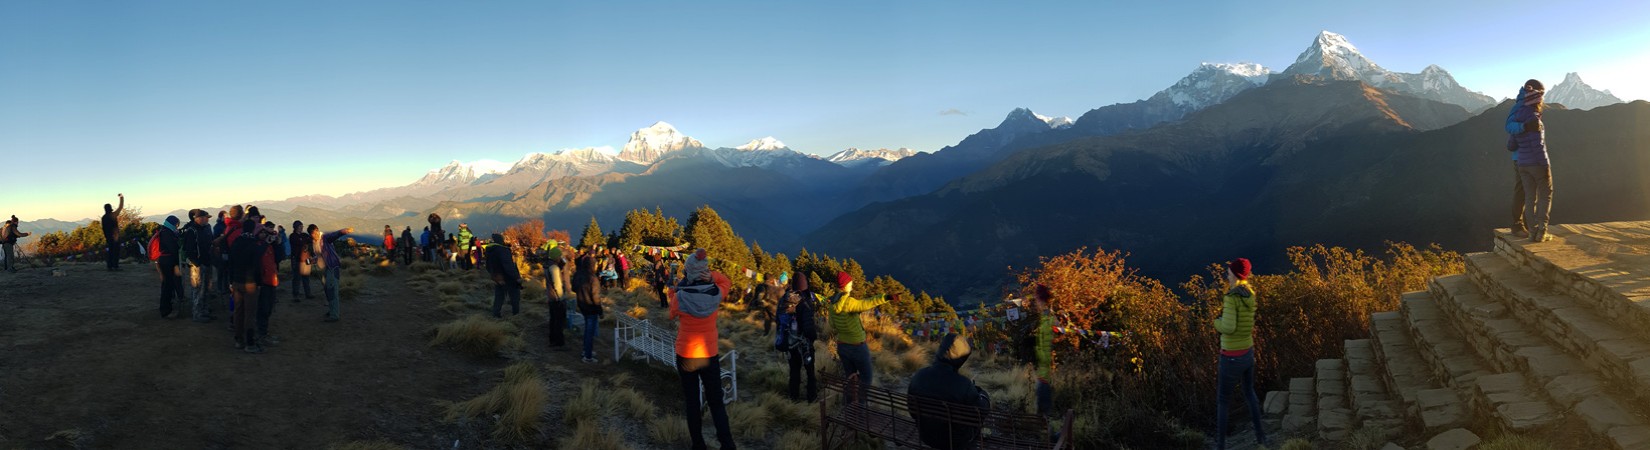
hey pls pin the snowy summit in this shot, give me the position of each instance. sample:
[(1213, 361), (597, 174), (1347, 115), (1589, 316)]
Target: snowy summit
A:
[(767, 143)]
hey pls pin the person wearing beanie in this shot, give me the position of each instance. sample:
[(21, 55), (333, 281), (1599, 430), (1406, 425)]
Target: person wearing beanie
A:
[(501, 263), (166, 261), (585, 281), (795, 314), (943, 381), (694, 306), (465, 239), (1237, 355), (844, 311), (8, 242), (1527, 140), (1042, 305)]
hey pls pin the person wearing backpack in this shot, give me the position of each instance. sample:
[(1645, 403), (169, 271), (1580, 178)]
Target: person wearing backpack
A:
[(1528, 141), (694, 308), (245, 264), (844, 312), (406, 246), (464, 250), (8, 240), (796, 311), (111, 232), (501, 264), (270, 255), (1237, 355), (196, 240), (389, 243), (163, 250), (303, 259), (332, 268)]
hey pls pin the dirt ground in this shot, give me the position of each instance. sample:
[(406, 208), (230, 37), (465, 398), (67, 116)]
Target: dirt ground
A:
[(87, 362)]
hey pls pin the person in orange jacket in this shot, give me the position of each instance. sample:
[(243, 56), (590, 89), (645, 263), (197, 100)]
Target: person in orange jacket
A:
[(694, 305)]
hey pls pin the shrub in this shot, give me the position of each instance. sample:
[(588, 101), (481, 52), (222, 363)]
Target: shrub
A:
[(518, 401), (479, 336)]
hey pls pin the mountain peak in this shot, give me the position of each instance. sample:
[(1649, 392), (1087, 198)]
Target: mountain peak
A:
[(767, 143), (1574, 93), (1330, 42), (650, 144), (854, 157), (1026, 116)]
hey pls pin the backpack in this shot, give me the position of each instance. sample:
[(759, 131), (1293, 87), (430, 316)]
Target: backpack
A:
[(782, 340), (154, 246)]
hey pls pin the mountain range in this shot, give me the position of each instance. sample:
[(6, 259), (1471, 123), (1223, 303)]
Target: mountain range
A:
[(1232, 159)]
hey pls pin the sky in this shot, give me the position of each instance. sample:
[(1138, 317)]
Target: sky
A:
[(184, 104)]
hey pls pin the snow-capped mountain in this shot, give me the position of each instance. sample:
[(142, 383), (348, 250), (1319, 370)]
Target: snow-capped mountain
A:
[(1332, 57), (856, 158), (1054, 122), (648, 145), (458, 173), (767, 143), (1212, 83), (1575, 94)]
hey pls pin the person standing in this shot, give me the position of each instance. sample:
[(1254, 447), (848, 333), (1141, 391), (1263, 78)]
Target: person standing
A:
[(796, 312), (553, 262), (844, 317), (698, 363), (942, 380), (303, 259), (333, 269), (624, 269), (111, 231), (244, 265), (1044, 350), (389, 243), (220, 261), (464, 250), (585, 282), (269, 257), (1237, 355), (166, 262), (506, 276), (424, 245), (198, 259), (8, 241), (1528, 141), (407, 245)]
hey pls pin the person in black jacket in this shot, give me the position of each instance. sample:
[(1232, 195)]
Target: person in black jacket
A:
[(506, 276), (407, 246), (8, 240), (942, 381), (197, 251), (303, 259), (166, 261), (796, 311), (245, 261), (111, 231), (585, 282)]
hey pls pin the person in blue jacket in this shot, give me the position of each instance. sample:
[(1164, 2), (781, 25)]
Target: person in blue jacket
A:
[(1528, 141)]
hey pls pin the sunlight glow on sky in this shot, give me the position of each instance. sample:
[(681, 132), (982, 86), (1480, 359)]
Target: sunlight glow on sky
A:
[(198, 104)]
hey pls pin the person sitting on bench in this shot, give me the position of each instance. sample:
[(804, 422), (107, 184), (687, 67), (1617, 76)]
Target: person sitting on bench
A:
[(941, 381)]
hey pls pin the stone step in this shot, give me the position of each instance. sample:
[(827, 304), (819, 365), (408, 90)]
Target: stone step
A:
[(1443, 348), (1366, 392), (1604, 265), (1505, 395), (1614, 355), (1301, 413), (1335, 419), (1426, 401)]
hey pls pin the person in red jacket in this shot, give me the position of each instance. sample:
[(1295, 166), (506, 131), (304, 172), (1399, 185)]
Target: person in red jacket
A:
[(389, 243), (694, 306), (269, 242)]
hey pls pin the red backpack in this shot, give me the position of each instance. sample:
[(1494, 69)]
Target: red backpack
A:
[(154, 246)]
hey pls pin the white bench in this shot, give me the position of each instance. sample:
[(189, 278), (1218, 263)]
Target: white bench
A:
[(641, 338)]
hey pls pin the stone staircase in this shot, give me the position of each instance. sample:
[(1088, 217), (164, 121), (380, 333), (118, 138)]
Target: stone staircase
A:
[(1549, 339)]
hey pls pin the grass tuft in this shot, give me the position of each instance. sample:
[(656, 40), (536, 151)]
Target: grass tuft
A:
[(797, 440), (1515, 442), (748, 421), (588, 405), (518, 402), (479, 336), (668, 429), (588, 436)]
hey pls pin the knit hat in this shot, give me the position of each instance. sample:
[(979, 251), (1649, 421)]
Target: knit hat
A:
[(172, 220), (1239, 268), (696, 267), (953, 350), (842, 280)]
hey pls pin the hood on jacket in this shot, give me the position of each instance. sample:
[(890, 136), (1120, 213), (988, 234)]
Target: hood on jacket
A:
[(700, 299), (954, 350), (1244, 293)]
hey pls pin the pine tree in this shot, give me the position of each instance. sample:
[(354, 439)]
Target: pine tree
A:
[(592, 235), (707, 230)]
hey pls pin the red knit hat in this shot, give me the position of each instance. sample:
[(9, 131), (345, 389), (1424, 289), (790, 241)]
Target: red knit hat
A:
[(1239, 268), (842, 280)]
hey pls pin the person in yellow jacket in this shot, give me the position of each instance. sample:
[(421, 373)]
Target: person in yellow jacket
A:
[(843, 315), (1237, 354)]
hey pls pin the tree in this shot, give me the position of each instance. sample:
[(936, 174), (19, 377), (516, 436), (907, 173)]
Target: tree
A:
[(592, 235), (706, 230), (642, 227), (526, 236)]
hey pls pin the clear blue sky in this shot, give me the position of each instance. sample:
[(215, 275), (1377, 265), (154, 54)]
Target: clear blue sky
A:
[(191, 104)]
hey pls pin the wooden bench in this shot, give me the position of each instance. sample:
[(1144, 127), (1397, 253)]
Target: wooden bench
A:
[(639, 337), (886, 414)]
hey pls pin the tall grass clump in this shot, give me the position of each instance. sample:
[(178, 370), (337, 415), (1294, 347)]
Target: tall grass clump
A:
[(670, 429), (1515, 442), (518, 402), (587, 435), (588, 406), (478, 335)]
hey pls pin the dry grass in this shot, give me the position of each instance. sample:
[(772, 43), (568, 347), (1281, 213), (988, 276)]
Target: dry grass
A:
[(632, 403), (797, 440), (668, 429), (589, 436), (786, 414), (366, 445), (518, 402), (636, 312), (1515, 442), (1011, 388), (748, 421), (589, 405), (1368, 438), (450, 287), (479, 336), (1297, 444)]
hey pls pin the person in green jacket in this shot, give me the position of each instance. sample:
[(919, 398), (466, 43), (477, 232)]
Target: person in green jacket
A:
[(464, 238), (1045, 348), (843, 315), (1237, 355)]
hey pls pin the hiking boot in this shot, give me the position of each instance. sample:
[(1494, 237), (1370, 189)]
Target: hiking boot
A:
[(588, 359), (1520, 233), (254, 349), (269, 339)]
